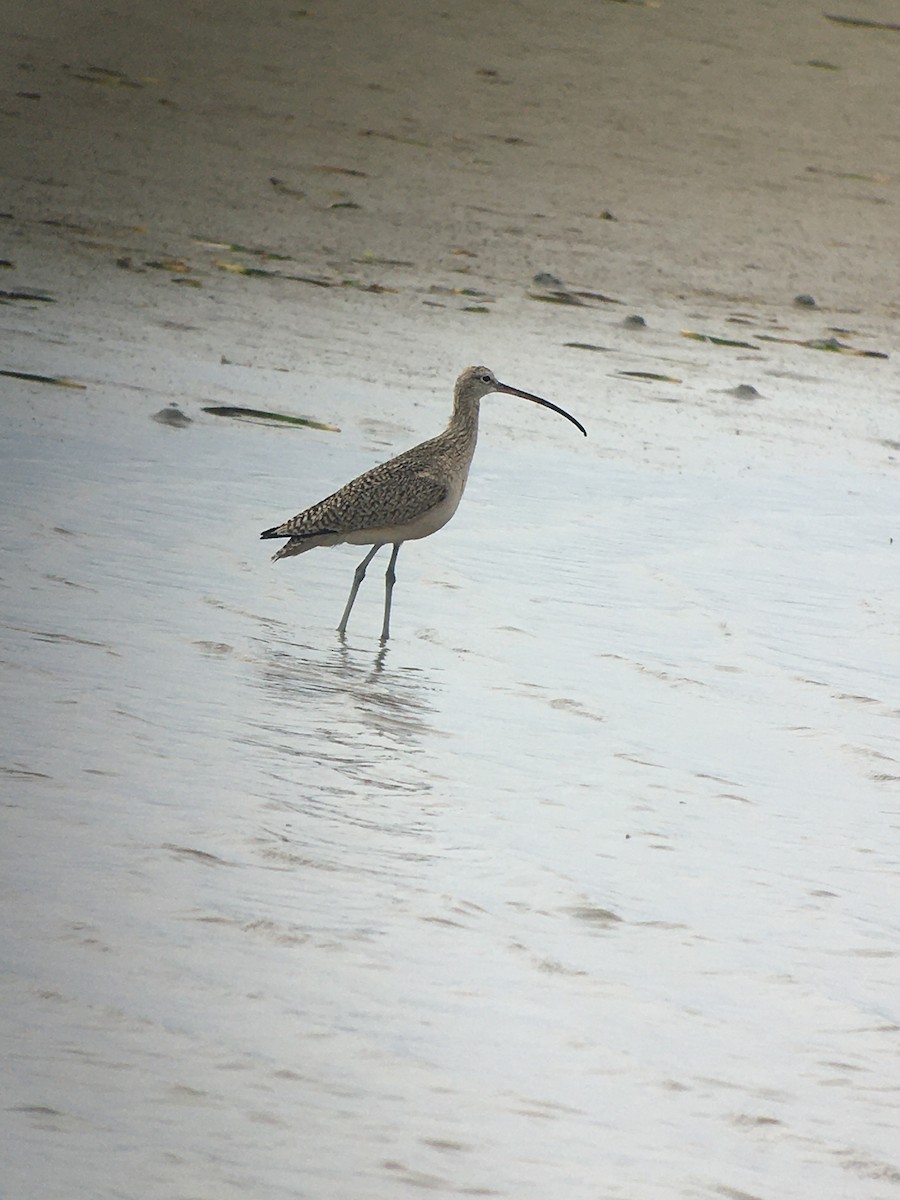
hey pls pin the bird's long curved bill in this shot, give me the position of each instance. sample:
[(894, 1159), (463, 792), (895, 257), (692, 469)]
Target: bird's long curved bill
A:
[(511, 391)]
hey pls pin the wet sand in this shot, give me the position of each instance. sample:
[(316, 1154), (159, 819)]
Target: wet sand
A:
[(586, 885)]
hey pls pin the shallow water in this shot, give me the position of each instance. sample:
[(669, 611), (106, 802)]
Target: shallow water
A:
[(585, 885)]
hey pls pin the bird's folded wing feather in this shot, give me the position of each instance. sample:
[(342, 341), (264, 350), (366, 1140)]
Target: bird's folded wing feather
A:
[(391, 494)]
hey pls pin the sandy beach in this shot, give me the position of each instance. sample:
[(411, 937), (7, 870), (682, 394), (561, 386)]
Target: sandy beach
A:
[(586, 885)]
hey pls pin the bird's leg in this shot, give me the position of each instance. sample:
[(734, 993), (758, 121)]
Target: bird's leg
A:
[(358, 576), (389, 579)]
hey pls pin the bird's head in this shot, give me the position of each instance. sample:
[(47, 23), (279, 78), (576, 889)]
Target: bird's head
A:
[(476, 382)]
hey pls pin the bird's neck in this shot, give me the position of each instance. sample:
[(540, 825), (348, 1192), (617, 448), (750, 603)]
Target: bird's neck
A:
[(463, 427), (462, 432)]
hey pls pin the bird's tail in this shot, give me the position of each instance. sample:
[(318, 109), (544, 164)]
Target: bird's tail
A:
[(299, 543), (291, 546)]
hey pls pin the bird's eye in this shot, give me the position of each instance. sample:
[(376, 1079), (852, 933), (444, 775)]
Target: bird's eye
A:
[(486, 379)]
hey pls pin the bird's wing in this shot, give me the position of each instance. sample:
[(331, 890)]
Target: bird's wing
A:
[(392, 493)]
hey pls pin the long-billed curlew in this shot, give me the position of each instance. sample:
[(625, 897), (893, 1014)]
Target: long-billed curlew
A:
[(408, 497)]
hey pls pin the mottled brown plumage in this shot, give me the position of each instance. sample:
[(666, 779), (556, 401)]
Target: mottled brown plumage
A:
[(408, 497), (390, 498)]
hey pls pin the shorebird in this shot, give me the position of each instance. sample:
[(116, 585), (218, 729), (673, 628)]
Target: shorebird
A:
[(406, 498)]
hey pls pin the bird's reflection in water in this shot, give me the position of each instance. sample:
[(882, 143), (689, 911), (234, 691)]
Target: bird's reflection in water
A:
[(362, 695), (344, 735)]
